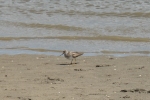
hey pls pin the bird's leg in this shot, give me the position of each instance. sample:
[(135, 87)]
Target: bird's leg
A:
[(75, 61), (71, 61)]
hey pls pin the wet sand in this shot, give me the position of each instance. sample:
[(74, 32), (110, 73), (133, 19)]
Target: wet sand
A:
[(41, 77)]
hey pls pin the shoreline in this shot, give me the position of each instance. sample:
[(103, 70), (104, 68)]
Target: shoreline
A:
[(36, 77), (86, 54)]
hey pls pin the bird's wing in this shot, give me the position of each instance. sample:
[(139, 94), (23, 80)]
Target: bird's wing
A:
[(76, 54)]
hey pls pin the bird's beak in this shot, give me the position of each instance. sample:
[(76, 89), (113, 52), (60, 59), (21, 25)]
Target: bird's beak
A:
[(62, 54)]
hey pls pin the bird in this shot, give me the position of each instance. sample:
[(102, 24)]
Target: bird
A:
[(71, 55)]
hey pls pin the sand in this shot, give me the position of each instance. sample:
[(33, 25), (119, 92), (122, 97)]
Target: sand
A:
[(42, 77)]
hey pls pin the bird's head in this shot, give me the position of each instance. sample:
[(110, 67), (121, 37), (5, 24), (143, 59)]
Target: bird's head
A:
[(64, 52)]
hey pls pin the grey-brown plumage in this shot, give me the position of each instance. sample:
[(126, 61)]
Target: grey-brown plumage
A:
[(71, 55)]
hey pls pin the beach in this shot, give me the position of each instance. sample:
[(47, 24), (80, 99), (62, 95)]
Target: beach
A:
[(113, 34), (44, 77)]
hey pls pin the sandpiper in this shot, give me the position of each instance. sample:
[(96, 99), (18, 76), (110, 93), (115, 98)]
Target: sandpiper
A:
[(71, 55)]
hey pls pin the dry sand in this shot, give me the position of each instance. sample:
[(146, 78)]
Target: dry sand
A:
[(41, 77)]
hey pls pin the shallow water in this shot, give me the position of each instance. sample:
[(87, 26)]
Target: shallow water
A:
[(96, 27)]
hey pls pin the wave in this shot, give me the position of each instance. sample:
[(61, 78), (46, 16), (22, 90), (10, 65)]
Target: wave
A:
[(102, 14), (33, 49), (46, 26), (102, 37)]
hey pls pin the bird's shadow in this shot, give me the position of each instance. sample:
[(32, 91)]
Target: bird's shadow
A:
[(64, 64), (67, 64)]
